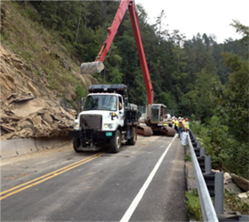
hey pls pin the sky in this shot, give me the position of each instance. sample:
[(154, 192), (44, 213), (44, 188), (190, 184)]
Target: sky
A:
[(212, 17)]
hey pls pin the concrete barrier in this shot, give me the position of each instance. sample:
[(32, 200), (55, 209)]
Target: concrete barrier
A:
[(16, 147)]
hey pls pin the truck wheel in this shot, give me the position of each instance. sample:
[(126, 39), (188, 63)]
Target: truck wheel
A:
[(76, 144), (133, 139), (116, 143)]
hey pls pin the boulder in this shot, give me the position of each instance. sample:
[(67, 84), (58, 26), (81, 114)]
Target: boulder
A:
[(244, 197), (241, 182)]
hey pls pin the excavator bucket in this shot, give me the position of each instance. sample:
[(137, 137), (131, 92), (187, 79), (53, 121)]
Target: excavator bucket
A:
[(144, 130), (91, 67)]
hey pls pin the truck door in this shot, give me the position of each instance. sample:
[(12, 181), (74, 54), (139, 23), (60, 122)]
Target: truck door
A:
[(121, 111)]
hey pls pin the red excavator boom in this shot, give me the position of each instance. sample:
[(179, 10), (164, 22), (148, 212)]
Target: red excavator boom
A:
[(97, 66)]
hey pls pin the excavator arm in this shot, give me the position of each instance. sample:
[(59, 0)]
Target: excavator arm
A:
[(98, 66)]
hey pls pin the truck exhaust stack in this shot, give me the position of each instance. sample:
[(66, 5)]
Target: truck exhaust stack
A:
[(91, 67)]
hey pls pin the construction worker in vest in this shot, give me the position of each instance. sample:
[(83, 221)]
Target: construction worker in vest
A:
[(177, 125), (165, 123), (187, 123), (181, 128), (183, 120), (173, 122)]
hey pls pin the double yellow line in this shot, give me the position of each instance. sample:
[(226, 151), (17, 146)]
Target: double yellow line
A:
[(46, 177)]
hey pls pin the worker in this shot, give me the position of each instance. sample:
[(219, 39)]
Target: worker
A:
[(177, 124), (182, 127), (187, 123), (165, 124), (173, 122)]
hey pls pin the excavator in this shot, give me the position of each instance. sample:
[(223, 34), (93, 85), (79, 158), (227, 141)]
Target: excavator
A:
[(154, 120)]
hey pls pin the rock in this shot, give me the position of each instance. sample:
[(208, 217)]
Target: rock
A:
[(232, 187), (243, 195), (216, 171), (37, 120), (241, 182), (47, 118), (25, 124), (227, 178)]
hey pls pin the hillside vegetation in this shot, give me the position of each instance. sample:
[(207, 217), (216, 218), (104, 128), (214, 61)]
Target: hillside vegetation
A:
[(45, 57), (196, 78)]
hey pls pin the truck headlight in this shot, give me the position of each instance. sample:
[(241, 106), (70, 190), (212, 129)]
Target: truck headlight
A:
[(108, 126), (76, 125)]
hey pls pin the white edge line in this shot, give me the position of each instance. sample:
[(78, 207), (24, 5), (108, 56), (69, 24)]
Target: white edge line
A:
[(141, 192)]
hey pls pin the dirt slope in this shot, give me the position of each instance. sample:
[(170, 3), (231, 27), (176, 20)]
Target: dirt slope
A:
[(36, 76), (28, 107)]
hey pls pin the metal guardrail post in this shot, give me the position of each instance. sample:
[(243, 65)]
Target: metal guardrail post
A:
[(208, 165), (207, 208), (198, 144), (202, 152), (244, 218), (218, 193)]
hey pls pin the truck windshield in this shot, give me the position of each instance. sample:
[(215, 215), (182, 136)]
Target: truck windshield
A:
[(101, 102)]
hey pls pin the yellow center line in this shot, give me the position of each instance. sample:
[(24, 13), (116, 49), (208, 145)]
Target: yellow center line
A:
[(47, 176)]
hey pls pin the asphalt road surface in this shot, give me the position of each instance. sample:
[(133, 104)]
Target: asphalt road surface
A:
[(145, 182)]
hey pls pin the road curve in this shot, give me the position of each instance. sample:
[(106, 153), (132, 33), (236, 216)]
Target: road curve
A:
[(145, 182)]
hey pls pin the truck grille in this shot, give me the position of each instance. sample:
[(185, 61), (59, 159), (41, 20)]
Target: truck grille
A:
[(91, 122)]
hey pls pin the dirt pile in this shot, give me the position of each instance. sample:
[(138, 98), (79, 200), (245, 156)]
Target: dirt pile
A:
[(28, 107)]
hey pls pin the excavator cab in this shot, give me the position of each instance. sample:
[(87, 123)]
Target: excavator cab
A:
[(156, 113)]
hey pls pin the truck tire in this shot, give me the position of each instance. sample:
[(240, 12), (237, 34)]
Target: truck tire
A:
[(76, 144), (133, 139), (116, 143)]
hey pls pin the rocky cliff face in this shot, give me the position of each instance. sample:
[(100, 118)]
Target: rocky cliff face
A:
[(37, 71), (28, 107)]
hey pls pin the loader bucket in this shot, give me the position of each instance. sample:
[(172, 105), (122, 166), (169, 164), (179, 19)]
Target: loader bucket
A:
[(91, 67), (144, 130)]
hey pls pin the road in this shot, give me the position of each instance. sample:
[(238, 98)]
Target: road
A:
[(145, 182)]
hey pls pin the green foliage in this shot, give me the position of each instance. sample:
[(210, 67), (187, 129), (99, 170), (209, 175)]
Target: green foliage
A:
[(81, 91), (193, 205), (187, 158), (234, 98), (235, 204), (242, 29), (225, 150)]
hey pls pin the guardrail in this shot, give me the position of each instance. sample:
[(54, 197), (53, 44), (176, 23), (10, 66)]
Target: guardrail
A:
[(209, 184)]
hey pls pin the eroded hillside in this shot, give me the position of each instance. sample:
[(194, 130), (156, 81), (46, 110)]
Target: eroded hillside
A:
[(38, 79)]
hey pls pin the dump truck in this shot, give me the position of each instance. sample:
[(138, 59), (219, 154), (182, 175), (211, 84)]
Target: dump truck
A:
[(108, 119)]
